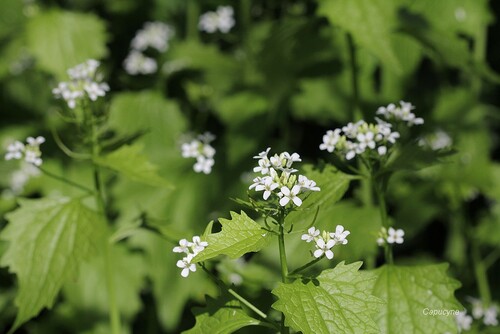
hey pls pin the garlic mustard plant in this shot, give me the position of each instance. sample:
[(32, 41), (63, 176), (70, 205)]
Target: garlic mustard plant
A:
[(325, 241), (390, 236)]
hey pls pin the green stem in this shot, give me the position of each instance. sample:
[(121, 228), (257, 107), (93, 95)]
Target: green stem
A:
[(356, 112), (236, 295), (67, 181), (481, 275), (284, 266), (479, 55), (114, 314), (384, 218), (305, 266)]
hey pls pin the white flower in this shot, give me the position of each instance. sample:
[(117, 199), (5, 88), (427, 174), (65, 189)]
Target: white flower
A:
[(137, 63), (267, 185), (15, 151), (94, 89), (203, 164), (463, 320), (186, 265), (262, 154), (305, 183), (340, 235), (490, 316), (153, 34), (366, 140), (206, 137), (380, 241), (310, 235), (382, 150), (208, 151), (183, 246), (191, 150), (20, 177), (222, 19), (290, 195), (324, 248), (330, 140), (401, 113), (198, 245), (263, 167), (395, 236), (477, 308)]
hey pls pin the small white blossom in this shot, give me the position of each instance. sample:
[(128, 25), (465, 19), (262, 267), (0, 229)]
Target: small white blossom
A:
[(198, 245), (186, 265), (401, 113), (310, 235), (137, 63), (30, 151), (84, 82), (201, 150), (307, 184), (154, 35), (330, 139), (222, 19), (395, 236), (323, 247), (267, 185), (340, 235), (436, 141), (203, 164), (290, 195), (20, 177), (490, 316), (183, 247), (463, 321)]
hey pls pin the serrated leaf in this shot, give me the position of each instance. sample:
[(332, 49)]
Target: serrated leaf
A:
[(131, 163), (220, 317), (339, 303), (60, 40), (333, 184), (239, 236), (370, 22), (48, 239), (408, 291)]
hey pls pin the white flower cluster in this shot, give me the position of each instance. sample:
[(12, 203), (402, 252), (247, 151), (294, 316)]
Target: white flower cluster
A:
[(200, 149), (222, 19), (400, 113), (20, 177), (488, 314), (391, 236), (326, 241), (29, 151), (436, 141), (84, 82), (285, 186), (155, 35), (191, 249), (463, 321), (356, 138)]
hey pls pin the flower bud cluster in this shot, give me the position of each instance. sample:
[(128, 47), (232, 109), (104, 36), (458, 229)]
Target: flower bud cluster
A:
[(401, 113), (191, 249), (222, 19), (325, 241), (391, 236), (200, 149), (154, 35), (489, 314), (30, 151), (84, 83), (278, 180)]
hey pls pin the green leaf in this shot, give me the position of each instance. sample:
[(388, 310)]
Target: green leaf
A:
[(333, 184), (60, 40), (129, 161), (141, 112), (11, 17), (370, 22), (220, 317), (239, 236), (238, 108), (408, 291), (340, 302), (90, 293), (48, 239)]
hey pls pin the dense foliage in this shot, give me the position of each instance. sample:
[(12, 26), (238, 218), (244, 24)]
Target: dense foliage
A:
[(135, 200)]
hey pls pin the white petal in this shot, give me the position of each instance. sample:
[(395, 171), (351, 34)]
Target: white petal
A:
[(284, 201), (329, 254), (297, 201), (318, 253), (185, 272)]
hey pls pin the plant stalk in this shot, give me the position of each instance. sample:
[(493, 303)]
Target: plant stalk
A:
[(481, 275), (384, 218), (284, 267)]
